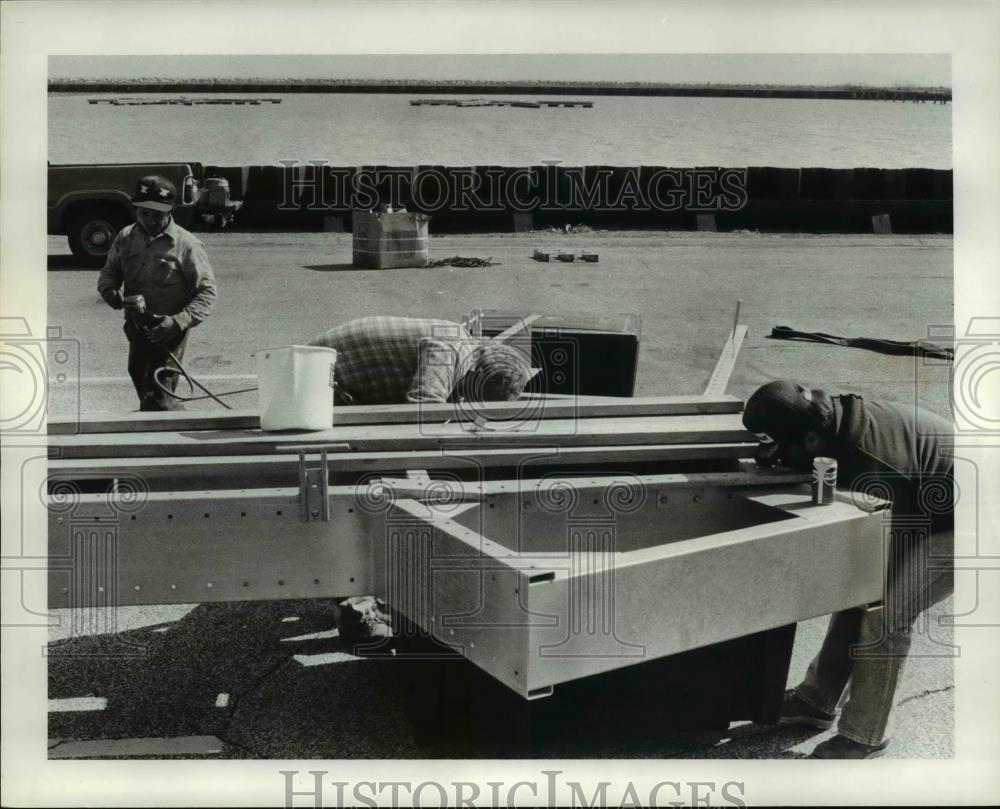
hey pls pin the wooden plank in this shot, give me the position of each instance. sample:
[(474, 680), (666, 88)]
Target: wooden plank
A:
[(708, 429), (257, 470), (726, 363), (555, 407)]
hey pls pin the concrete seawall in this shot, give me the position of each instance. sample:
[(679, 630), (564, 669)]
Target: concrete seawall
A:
[(307, 197)]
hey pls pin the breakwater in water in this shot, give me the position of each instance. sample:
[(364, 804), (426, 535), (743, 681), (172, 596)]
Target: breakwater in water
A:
[(316, 196), (939, 95)]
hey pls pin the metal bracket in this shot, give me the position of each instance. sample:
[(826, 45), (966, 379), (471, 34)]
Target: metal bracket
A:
[(314, 481)]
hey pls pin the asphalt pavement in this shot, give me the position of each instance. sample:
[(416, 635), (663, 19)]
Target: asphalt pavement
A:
[(272, 679)]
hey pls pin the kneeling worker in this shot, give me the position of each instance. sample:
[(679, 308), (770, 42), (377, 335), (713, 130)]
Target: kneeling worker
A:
[(158, 260), (395, 360), (889, 449), (399, 360)]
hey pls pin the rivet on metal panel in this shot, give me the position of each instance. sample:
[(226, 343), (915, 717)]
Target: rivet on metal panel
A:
[(697, 498), (100, 588), (64, 590), (173, 586), (281, 582), (316, 581), (208, 585), (137, 588), (663, 499), (59, 520)]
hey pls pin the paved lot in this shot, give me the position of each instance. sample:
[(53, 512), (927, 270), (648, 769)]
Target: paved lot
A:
[(270, 679)]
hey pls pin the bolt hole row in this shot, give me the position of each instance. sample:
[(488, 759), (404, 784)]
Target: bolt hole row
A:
[(208, 585), (208, 515)]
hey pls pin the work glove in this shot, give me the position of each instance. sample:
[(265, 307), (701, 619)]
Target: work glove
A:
[(113, 298), (165, 333)]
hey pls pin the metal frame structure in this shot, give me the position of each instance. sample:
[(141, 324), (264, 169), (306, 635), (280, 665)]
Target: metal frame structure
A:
[(546, 540), (584, 536)]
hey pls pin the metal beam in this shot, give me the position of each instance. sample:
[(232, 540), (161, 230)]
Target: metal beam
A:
[(213, 471), (541, 407)]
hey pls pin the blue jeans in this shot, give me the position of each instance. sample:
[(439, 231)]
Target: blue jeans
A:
[(861, 662)]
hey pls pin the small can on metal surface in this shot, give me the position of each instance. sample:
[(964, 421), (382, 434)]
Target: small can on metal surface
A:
[(824, 480)]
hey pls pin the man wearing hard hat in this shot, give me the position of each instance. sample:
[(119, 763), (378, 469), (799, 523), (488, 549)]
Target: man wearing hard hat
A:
[(160, 275)]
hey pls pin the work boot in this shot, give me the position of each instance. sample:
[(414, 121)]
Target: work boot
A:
[(363, 621), (842, 747), (796, 711)]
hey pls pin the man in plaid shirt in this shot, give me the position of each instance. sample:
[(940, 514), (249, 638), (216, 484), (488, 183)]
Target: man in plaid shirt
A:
[(391, 360)]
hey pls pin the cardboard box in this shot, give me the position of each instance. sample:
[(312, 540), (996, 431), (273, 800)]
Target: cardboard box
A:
[(388, 240)]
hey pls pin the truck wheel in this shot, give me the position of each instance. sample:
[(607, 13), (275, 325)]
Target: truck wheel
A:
[(91, 231)]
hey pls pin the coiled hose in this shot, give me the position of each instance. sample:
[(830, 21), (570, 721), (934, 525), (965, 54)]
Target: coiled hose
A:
[(192, 384)]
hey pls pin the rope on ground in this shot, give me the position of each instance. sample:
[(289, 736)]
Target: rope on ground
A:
[(919, 348), (463, 261)]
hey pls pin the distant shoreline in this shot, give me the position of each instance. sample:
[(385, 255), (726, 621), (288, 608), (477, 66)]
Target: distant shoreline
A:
[(838, 92)]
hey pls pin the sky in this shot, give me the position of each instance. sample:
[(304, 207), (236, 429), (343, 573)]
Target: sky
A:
[(806, 69)]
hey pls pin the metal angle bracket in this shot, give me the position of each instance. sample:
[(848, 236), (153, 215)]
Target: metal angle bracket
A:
[(314, 489), (314, 481)]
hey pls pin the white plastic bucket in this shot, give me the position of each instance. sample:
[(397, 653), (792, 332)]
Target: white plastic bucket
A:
[(295, 387)]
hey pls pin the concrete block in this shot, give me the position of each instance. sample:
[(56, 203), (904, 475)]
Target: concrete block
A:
[(881, 223)]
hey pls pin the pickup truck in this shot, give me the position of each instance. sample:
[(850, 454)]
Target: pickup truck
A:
[(89, 203)]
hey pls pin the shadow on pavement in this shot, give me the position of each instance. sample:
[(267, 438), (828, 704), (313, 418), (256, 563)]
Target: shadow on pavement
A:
[(169, 683), (334, 268)]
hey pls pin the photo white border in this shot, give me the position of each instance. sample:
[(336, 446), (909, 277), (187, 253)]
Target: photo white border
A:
[(31, 31)]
